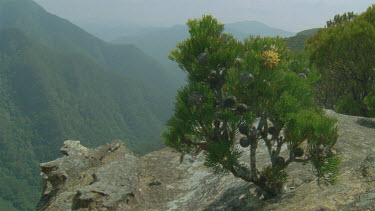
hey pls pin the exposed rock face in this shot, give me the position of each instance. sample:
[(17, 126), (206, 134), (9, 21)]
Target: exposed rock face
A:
[(110, 177), (98, 178)]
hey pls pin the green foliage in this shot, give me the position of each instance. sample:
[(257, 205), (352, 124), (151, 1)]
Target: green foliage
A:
[(370, 103), (344, 53), (221, 156), (303, 123), (187, 113), (275, 177), (326, 169), (231, 83), (216, 45), (348, 105), (341, 19)]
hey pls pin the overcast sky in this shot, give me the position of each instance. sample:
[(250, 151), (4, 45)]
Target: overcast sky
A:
[(290, 15)]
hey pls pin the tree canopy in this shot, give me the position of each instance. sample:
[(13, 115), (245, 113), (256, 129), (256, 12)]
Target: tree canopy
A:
[(344, 54)]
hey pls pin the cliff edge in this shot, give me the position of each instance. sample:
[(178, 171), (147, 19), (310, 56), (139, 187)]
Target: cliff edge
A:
[(111, 177)]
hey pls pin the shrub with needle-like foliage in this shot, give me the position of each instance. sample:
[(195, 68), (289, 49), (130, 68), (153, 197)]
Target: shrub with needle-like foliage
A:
[(230, 84)]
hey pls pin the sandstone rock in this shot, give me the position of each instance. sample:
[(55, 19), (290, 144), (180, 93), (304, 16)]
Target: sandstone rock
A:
[(84, 178), (73, 147), (110, 177), (368, 168)]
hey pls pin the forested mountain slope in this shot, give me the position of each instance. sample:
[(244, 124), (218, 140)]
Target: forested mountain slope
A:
[(61, 35), (48, 97), (58, 82), (297, 42)]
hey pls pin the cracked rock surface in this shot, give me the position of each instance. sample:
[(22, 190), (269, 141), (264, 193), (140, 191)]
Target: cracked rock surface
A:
[(110, 177), (92, 179)]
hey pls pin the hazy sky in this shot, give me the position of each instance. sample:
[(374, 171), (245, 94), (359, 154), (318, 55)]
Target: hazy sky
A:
[(291, 15)]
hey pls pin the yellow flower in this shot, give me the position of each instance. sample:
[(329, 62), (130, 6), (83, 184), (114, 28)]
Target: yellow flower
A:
[(270, 58)]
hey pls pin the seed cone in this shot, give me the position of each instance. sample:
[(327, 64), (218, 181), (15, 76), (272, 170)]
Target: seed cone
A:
[(202, 58), (298, 152), (302, 75), (247, 79), (244, 142), (195, 98), (241, 108), (272, 130), (238, 62), (229, 102), (244, 129), (280, 161)]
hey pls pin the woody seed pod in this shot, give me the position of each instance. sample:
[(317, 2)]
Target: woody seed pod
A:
[(241, 108), (298, 152), (302, 75), (244, 129), (244, 142), (202, 58), (229, 102), (272, 130), (195, 98), (247, 79), (279, 161)]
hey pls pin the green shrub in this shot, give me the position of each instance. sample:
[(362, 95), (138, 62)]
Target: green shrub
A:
[(230, 83), (370, 103), (348, 105)]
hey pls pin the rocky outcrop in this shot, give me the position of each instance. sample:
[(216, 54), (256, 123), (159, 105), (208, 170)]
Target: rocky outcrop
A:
[(96, 179), (110, 177)]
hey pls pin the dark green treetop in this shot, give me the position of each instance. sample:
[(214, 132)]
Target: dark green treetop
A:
[(230, 84)]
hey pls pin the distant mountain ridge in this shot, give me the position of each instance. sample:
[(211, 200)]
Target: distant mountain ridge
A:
[(242, 30), (309, 32), (158, 42), (62, 36)]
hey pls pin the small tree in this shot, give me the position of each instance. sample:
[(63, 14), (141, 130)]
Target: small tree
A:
[(344, 54), (230, 83)]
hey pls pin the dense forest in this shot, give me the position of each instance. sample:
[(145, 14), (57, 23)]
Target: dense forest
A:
[(58, 82)]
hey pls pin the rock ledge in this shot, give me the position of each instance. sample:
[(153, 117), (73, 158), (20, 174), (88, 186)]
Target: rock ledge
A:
[(111, 177)]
